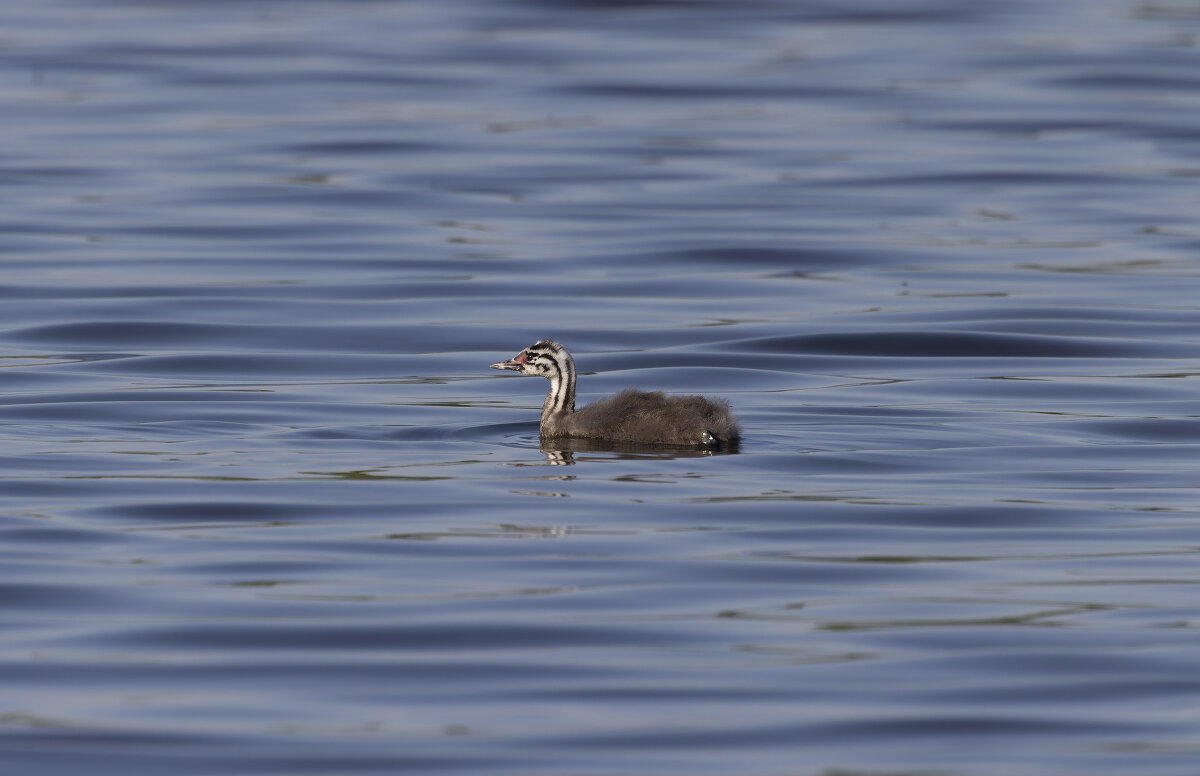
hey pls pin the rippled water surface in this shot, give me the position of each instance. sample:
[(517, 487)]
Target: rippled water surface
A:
[(265, 509)]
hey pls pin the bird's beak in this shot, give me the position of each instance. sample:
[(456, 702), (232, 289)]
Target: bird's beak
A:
[(509, 364)]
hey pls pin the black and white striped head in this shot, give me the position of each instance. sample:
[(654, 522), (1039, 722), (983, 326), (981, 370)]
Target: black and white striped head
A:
[(542, 359)]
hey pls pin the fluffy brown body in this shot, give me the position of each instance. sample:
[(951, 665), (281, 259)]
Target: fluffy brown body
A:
[(651, 417)]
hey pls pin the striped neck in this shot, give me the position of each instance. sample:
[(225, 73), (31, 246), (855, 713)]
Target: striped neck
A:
[(560, 400)]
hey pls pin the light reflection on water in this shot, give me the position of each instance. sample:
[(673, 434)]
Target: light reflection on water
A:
[(265, 509)]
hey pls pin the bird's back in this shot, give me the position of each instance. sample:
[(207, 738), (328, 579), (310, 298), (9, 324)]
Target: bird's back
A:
[(654, 418)]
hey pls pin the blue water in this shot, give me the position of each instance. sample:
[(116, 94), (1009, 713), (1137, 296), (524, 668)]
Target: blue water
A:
[(264, 509)]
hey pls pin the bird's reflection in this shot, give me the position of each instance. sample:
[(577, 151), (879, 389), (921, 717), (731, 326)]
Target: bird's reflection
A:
[(562, 452)]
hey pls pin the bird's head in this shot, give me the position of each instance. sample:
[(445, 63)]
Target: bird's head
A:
[(545, 358)]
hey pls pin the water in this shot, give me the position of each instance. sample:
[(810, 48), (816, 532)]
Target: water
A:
[(266, 510)]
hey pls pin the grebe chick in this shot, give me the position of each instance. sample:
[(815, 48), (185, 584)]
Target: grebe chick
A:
[(630, 416)]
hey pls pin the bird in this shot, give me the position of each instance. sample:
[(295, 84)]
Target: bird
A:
[(629, 417)]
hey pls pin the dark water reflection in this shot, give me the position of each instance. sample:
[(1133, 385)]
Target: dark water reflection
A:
[(265, 510)]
